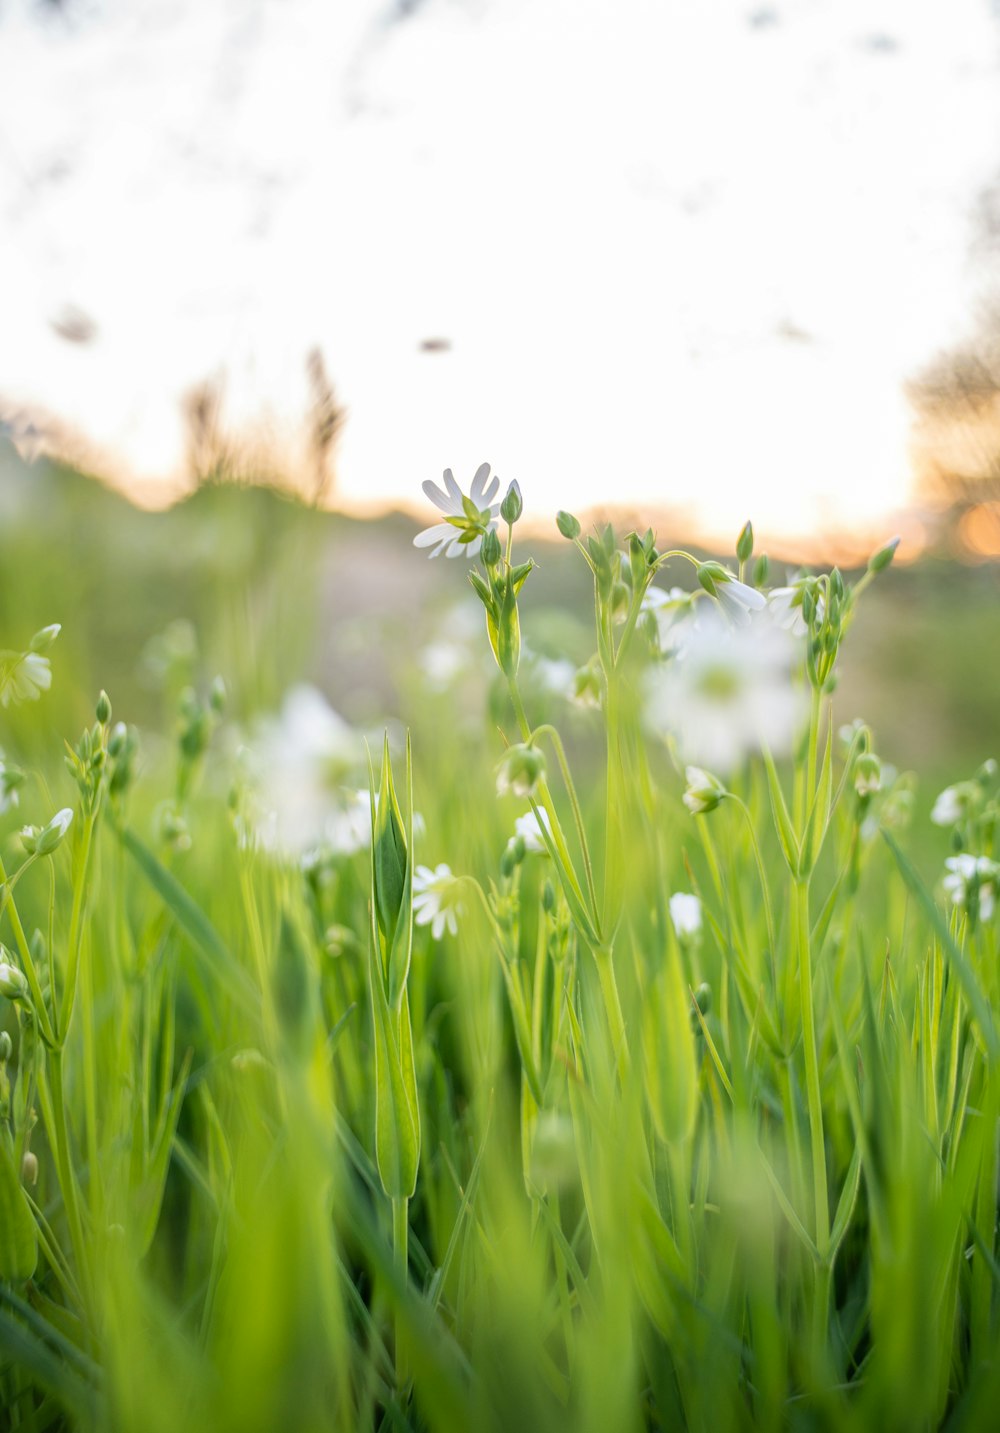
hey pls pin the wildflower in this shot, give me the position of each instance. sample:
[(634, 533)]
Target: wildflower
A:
[(685, 912), (27, 675), (435, 900), (972, 883), (736, 599), (586, 689), (867, 774), (297, 760), (704, 791), (520, 771), (348, 828), (467, 519), (726, 691), (528, 828), (954, 803), (669, 610)]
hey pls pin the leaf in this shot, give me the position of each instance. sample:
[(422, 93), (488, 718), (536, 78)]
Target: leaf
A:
[(195, 924), (18, 1235), (401, 951), (396, 1140), (846, 1204), (782, 820), (978, 1003)]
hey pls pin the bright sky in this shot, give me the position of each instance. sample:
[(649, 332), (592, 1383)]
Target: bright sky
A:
[(684, 252)]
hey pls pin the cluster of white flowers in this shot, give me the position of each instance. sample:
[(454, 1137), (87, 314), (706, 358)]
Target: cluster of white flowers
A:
[(972, 883), (685, 912)]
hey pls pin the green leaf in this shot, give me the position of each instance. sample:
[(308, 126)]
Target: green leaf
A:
[(18, 1235), (388, 854), (402, 941), (195, 924), (396, 1138), (978, 1003), (846, 1204), (782, 820)]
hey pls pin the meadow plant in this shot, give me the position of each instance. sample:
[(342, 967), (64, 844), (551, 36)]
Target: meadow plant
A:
[(666, 1098)]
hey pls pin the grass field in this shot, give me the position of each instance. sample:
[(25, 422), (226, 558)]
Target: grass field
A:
[(605, 1046)]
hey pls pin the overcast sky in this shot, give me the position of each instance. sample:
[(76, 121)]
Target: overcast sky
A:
[(674, 251)]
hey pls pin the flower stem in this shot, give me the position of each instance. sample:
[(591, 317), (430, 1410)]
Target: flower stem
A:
[(400, 1249), (800, 894)]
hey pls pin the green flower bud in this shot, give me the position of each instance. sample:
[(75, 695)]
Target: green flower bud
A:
[(217, 696), (567, 525), (548, 898), (118, 739), (867, 774), (490, 550), (513, 854), (42, 640), (13, 982), (881, 560), (52, 835), (103, 709), (29, 1168), (520, 771), (512, 505), (744, 543), (6, 1047), (761, 570)]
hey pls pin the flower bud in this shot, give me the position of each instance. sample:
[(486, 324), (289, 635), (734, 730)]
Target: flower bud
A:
[(744, 543), (29, 1168), (51, 836), (513, 854), (567, 525), (761, 570), (6, 1047), (118, 739), (704, 791), (867, 774), (520, 771), (42, 640), (512, 505), (217, 696), (881, 560), (103, 708), (13, 982), (490, 550), (548, 898)]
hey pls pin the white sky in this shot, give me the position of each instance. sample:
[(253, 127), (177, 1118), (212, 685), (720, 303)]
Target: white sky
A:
[(684, 251)]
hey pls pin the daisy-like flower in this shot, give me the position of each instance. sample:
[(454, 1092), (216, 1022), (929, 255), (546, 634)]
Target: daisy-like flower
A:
[(972, 883), (467, 519), (530, 831), (685, 912), (727, 690), (435, 899), (25, 678)]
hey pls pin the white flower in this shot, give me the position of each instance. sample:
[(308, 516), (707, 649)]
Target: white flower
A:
[(10, 780), (26, 677), (972, 877), (435, 899), (13, 982), (530, 831), (726, 691), (298, 760), (449, 537), (738, 600), (670, 609), (685, 912), (952, 804)]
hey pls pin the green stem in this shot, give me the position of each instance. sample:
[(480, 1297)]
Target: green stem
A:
[(765, 893), (31, 974), (400, 1249), (53, 1101), (76, 927), (613, 1007), (800, 893)]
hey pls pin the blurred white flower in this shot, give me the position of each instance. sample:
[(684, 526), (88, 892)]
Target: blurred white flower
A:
[(11, 780), (26, 676), (670, 610), (448, 537), (530, 831), (297, 762), (726, 691), (953, 804), (435, 899), (685, 912), (972, 881)]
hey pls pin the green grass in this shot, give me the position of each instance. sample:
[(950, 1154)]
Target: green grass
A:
[(590, 1200)]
